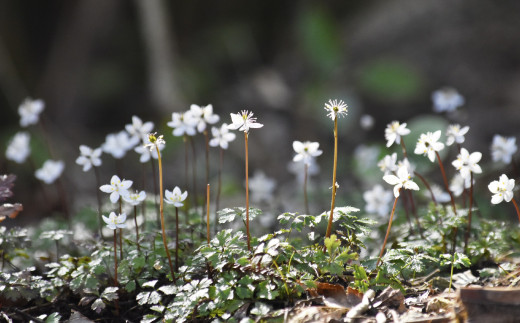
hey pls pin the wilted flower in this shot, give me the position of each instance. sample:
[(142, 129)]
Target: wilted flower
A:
[(203, 116), (455, 134), (115, 221), (466, 163), (221, 136), (388, 164), (50, 171), (336, 109), (116, 188), (393, 132), (502, 189), (306, 151), (503, 148), (377, 200), (29, 111), (261, 187), (183, 124), (18, 149), (446, 99), (118, 144), (89, 157), (139, 129), (134, 198), (175, 197), (402, 180), (428, 144), (243, 121)]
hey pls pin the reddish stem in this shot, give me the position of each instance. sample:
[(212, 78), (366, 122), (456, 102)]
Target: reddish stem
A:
[(387, 231), (333, 201), (247, 195), (446, 183), (516, 207)]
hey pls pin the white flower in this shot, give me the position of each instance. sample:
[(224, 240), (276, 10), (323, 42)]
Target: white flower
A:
[(502, 189), (147, 153), (134, 198), (116, 188), (29, 111), (18, 149), (243, 121), (203, 115), (221, 136), (378, 200), (336, 109), (261, 187), (139, 129), (393, 132), (402, 180), (115, 221), (118, 144), (455, 134), (175, 197), (306, 151), (458, 184), (388, 164), (440, 195), (428, 144), (466, 163), (503, 148), (446, 99), (409, 166), (50, 171), (183, 124), (89, 157), (298, 169), (152, 142), (366, 122)]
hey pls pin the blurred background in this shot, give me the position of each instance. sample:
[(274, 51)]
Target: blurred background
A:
[(98, 63)]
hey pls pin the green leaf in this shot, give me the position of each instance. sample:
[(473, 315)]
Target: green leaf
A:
[(332, 244), (130, 286)]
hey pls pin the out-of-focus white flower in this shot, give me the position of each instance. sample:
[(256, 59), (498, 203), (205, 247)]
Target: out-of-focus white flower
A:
[(306, 151), (409, 166), (134, 198), (50, 171), (502, 189), (503, 148), (298, 169), (116, 188), (446, 99), (393, 132), (243, 121), (366, 122), (19, 149), (336, 109), (377, 200), (29, 111), (261, 187), (115, 221), (366, 156), (388, 164), (203, 116), (118, 144), (440, 195), (455, 134), (402, 180), (89, 157), (467, 163), (428, 144), (139, 129), (458, 184), (183, 124), (175, 197), (221, 136)]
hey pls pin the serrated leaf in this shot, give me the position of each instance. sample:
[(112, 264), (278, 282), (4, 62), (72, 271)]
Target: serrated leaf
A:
[(130, 286), (150, 283), (98, 305), (110, 293), (168, 289)]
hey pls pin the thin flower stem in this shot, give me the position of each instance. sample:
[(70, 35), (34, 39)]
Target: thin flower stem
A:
[(305, 174), (136, 229), (120, 230), (219, 188), (207, 211), (414, 212), (115, 258), (333, 201), (404, 148), (206, 137), (468, 229), (157, 208), (407, 213), (446, 183), (162, 212), (194, 176), (387, 231), (98, 196), (425, 182), (247, 194), (186, 176), (63, 198), (176, 238), (516, 207)]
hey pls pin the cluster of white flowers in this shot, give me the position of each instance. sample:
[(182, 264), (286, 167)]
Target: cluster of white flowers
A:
[(447, 100), (503, 148), (195, 119), (50, 171)]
